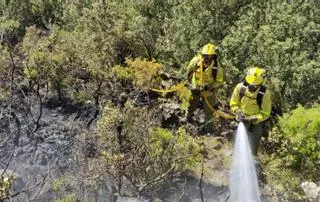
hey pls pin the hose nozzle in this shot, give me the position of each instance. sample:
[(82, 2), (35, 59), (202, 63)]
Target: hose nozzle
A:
[(239, 116)]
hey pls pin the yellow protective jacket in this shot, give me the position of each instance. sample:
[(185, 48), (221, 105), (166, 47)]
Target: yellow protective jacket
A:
[(207, 76), (249, 104)]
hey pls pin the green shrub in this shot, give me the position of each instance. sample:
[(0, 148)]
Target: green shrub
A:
[(184, 95), (170, 148), (46, 63), (299, 140), (141, 72), (283, 180), (68, 198), (296, 155), (135, 146)]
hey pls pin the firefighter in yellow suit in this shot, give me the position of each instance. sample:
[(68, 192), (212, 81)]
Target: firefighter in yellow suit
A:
[(251, 102), (205, 77)]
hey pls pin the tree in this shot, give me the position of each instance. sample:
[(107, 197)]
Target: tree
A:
[(194, 24), (283, 38), (38, 13), (46, 64)]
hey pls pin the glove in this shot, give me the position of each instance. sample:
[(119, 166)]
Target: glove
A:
[(239, 115), (250, 119)]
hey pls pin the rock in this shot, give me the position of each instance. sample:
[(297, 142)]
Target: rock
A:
[(172, 106), (311, 190)]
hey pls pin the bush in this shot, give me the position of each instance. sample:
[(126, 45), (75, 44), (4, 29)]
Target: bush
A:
[(143, 73), (46, 63), (172, 149), (296, 146), (283, 180), (136, 147), (298, 138)]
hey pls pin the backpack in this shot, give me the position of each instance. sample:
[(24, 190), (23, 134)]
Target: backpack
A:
[(261, 92)]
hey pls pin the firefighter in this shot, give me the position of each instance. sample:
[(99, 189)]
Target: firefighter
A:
[(251, 102), (205, 77)]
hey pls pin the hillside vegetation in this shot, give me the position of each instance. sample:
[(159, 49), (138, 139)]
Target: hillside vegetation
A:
[(106, 56)]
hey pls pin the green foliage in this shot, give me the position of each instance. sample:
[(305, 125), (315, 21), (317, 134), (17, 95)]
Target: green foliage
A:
[(94, 37), (4, 59), (281, 37), (143, 73), (137, 147), (5, 185), (192, 24), (21, 14), (137, 31), (302, 127), (124, 134), (58, 184), (106, 127), (68, 198), (77, 48), (184, 94), (164, 144), (283, 180), (89, 39), (298, 140), (296, 156), (38, 12), (46, 61), (7, 26)]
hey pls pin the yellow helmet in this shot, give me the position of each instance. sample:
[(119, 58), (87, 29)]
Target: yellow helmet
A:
[(208, 49), (255, 76)]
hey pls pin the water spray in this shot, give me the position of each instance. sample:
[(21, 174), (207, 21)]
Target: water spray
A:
[(243, 180)]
